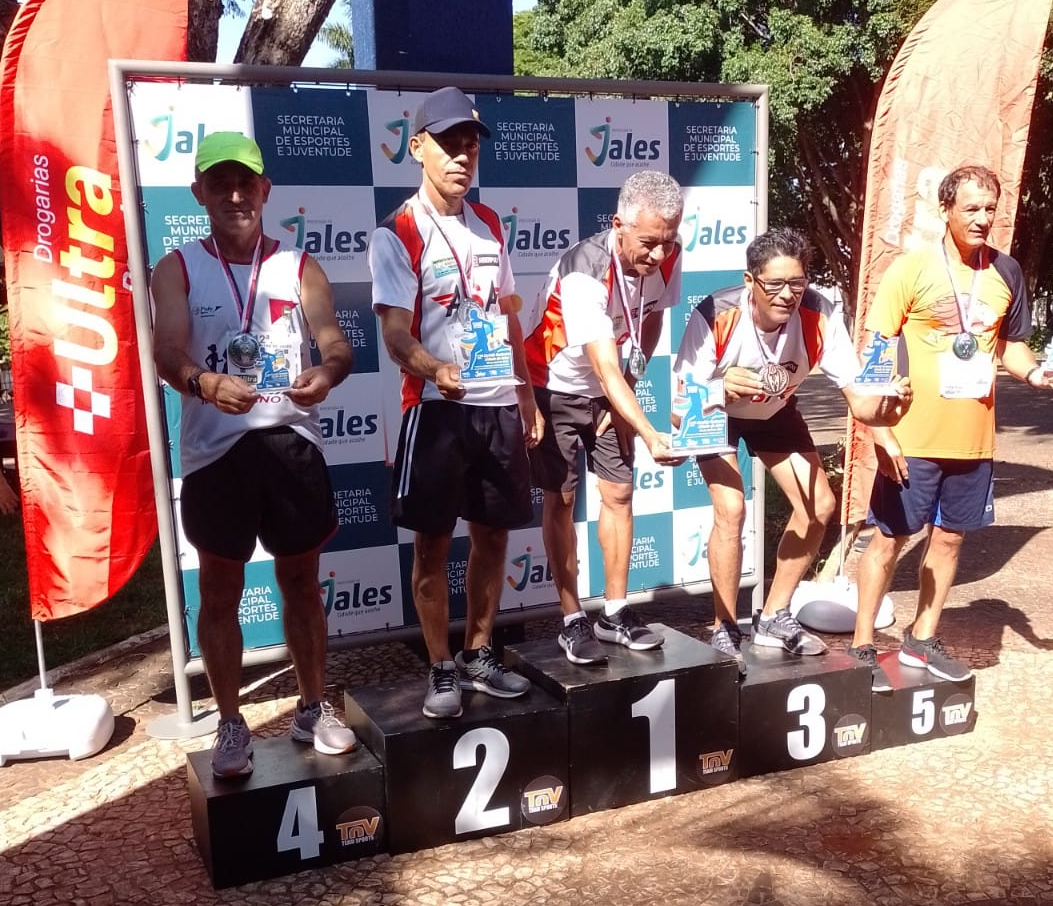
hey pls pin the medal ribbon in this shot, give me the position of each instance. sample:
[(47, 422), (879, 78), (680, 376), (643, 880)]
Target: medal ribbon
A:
[(635, 330), (244, 308), (465, 274), (964, 313), (770, 357)]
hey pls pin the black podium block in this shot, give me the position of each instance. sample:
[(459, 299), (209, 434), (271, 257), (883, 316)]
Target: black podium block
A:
[(297, 810), (500, 766), (646, 724), (920, 706), (795, 711)]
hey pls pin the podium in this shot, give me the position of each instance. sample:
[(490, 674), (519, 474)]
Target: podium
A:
[(296, 810), (644, 725), (796, 711), (500, 766), (920, 706)]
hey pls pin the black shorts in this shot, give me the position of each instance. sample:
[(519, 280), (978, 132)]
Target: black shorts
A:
[(273, 485), (570, 422), (784, 432), (457, 460)]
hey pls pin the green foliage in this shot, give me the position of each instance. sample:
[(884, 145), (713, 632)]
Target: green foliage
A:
[(338, 37), (823, 61), (5, 339)]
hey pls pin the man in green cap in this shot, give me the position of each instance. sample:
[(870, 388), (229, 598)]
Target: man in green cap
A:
[(250, 437)]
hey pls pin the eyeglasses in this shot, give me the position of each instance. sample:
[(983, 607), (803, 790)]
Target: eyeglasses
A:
[(773, 287)]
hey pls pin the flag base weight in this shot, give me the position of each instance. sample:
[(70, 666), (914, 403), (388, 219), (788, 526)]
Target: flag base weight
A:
[(831, 606), (49, 724)]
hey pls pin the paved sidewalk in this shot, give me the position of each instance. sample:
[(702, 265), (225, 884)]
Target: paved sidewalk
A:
[(966, 819)]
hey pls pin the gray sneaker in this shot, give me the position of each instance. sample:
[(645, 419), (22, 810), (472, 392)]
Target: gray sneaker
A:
[(624, 627), (783, 631), (443, 698), (487, 674), (579, 644), (727, 638), (232, 752), (319, 724), (867, 654)]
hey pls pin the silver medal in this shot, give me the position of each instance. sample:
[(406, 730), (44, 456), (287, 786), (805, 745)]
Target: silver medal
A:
[(243, 350), (774, 378), (637, 363), (965, 346)]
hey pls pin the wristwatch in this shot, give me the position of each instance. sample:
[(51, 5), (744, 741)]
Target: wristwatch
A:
[(193, 385)]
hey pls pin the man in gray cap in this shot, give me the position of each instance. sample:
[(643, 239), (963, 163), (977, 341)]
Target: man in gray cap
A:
[(439, 265)]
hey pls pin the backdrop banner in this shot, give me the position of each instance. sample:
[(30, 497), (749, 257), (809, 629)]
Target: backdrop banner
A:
[(953, 96), (83, 451)]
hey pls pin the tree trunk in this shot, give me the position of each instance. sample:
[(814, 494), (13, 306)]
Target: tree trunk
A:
[(202, 36), (280, 32)]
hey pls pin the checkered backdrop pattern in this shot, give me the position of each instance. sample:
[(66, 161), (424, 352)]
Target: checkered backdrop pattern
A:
[(338, 158)]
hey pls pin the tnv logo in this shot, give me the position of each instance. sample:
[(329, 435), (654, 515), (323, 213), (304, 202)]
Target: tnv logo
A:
[(164, 138), (296, 224), (400, 128)]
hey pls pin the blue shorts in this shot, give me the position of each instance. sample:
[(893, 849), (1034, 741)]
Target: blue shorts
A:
[(954, 494)]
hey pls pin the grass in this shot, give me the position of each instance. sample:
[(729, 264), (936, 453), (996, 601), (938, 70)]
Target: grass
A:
[(137, 607)]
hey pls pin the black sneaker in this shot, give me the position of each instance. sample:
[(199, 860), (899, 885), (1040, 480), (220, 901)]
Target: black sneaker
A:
[(929, 654), (624, 627), (727, 639), (867, 654), (578, 642)]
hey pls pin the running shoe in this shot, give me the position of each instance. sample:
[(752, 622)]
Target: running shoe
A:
[(318, 724), (578, 642), (443, 698), (783, 631), (867, 654), (624, 627), (727, 639), (232, 752), (487, 674), (930, 654)]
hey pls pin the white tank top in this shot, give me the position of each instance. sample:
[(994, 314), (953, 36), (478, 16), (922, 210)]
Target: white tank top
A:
[(205, 432)]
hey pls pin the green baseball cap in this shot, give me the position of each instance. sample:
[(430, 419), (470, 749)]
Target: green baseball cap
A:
[(218, 147)]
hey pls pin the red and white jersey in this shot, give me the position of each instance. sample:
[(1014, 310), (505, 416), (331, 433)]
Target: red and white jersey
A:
[(721, 333), (420, 262), (205, 432), (588, 298)]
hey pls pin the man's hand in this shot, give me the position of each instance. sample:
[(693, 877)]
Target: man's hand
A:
[(228, 393), (892, 408), (661, 452), (533, 420), (890, 460), (741, 383), (448, 382), (312, 386)]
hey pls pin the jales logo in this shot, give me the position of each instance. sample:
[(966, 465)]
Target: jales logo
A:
[(344, 425), (528, 573), (164, 139), (533, 240), (359, 596), (328, 241), (696, 233), (400, 128), (627, 148)]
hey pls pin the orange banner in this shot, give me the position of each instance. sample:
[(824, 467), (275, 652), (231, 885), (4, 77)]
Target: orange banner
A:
[(960, 91), (80, 423)]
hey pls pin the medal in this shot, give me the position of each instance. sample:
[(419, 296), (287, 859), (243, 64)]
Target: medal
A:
[(964, 346), (243, 350), (637, 363), (774, 378)]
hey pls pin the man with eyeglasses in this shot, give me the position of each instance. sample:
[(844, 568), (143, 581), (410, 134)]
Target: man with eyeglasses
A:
[(605, 296), (763, 338), (439, 265)]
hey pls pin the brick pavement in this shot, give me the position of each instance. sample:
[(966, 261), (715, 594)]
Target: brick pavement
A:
[(965, 819)]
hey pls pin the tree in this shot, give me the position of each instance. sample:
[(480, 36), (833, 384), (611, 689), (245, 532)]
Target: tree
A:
[(824, 61), (278, 32)]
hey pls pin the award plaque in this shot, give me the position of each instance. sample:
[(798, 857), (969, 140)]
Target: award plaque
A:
[(703, 422), (879, 367), (484, 351)]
